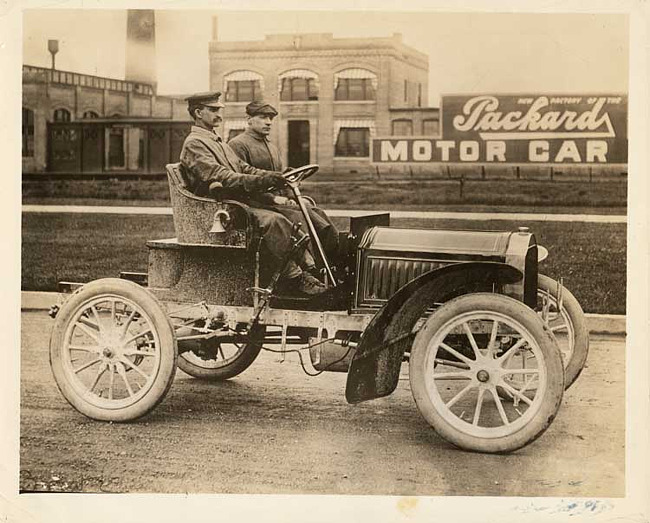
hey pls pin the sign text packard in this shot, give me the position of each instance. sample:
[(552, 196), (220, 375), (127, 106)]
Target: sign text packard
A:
[(545, 129)]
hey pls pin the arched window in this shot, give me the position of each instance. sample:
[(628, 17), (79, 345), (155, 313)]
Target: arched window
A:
[(243, 86), (352, 138), (62, 115), (402, 127), (28, 133), (355, 85), (90, 114), (298, 85)]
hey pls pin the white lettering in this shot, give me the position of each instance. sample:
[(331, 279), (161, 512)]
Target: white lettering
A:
[(473, 109), (480, 113), (394, 153), (495, 151), (422, 150), (538, 151), (469, 151), (445, 146), (569, 150), (596, 151)]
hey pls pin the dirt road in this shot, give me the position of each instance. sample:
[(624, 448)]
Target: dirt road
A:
[(275, 430)]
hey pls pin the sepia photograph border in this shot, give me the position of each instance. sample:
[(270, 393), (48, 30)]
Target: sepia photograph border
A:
[(123, 508)]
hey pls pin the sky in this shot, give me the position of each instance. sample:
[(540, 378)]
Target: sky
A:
[(468, 52)]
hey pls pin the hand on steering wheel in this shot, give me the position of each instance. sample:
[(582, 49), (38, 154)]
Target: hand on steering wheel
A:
[(301, 173)]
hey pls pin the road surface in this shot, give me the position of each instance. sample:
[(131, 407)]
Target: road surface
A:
[(275, 430)]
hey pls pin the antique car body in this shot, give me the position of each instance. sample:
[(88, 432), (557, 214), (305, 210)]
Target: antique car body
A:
[(385, 304)]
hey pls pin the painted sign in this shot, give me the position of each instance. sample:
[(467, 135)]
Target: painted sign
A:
[(518, 129)]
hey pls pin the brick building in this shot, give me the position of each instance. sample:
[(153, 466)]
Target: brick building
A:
[(332, 94), (55, 101)]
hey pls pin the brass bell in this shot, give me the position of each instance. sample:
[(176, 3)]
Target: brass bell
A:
[(220, 222)]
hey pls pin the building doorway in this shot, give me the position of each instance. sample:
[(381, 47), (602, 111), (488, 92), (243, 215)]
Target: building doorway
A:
[(298, 150)]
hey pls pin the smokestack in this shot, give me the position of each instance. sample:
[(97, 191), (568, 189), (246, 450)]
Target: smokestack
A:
[(215, 28), (141, 46)]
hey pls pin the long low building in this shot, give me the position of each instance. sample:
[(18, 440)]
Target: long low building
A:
[(333, 95)]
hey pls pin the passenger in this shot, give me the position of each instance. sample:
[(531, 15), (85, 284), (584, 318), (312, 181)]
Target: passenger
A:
[(206, 158)]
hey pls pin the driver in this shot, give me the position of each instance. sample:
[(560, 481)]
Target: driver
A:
[(254, 147), (206, 158)]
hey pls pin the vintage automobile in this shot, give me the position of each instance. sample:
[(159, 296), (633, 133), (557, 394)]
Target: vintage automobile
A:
[(480, 329)]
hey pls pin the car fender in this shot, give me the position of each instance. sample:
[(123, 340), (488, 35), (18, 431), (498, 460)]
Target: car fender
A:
[(375, 367)]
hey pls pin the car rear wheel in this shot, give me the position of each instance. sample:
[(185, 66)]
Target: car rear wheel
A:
[(568, 324), (216, 360), (471, 350), (113, 350)]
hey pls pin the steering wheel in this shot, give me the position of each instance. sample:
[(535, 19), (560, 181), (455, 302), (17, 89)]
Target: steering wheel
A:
[(301, 173)]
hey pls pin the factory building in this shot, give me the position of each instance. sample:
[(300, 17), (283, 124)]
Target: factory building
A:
[(79, 123), (332, 94)]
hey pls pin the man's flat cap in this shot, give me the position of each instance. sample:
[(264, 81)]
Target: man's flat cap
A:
[(210, 99), (255, 108)]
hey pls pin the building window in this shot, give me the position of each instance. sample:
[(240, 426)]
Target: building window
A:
[(349, 89), (243, 91), (243, 86), (298, 89), (28, 133), (355, 85), (62, 115), (430, 127), (402, 128), (116, 153), (353, 142), (90, 114)]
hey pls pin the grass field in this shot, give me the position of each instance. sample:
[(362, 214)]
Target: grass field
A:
[(81, 247), (516, 196)]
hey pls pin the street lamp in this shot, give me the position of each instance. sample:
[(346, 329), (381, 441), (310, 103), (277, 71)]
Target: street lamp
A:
[(53, 48)]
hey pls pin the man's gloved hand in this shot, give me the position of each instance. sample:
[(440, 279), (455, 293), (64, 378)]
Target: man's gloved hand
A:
[(270, 180)]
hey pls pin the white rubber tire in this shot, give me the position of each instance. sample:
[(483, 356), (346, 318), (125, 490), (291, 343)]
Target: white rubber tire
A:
[(574, 354), (147, 396), (514, 315), (215, 370)]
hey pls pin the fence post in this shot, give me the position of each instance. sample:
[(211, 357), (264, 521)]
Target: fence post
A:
[(590, 173), (552, 172), (518, 173), (448, 172), (461, 185), (377, 170), (483, 172)]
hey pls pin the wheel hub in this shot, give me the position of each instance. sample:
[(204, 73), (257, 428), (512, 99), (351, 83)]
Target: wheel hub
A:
[(483, 376)]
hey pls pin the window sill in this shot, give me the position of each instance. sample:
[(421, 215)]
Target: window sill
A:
[(296, 102), (366, 102)]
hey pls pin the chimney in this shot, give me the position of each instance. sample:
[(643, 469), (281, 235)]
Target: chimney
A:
[(141, 46)]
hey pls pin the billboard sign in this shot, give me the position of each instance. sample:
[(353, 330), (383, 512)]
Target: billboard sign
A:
[(517, 129)]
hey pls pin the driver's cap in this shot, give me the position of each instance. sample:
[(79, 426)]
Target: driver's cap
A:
[(209, 99)]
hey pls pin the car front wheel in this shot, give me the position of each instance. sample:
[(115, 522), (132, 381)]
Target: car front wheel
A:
[(486, 373)]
